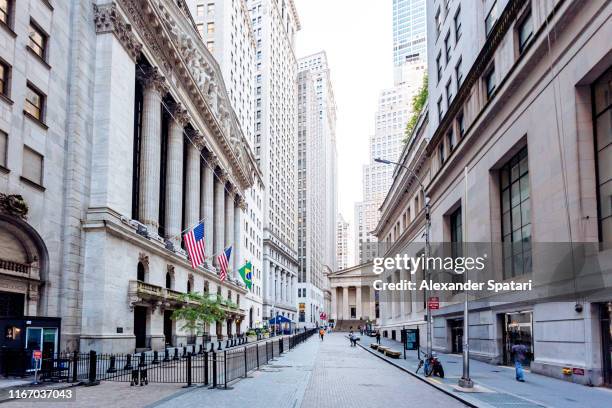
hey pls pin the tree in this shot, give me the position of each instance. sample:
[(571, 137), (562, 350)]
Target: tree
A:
[(201, 309), (418, 103)]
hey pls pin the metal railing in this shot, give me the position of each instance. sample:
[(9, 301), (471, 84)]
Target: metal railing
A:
[(187, 365)]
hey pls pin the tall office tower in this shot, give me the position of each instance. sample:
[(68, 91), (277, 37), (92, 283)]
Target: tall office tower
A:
[(343, 243), (394, 110), (225, 27), (409, 31), (316, 185), (275, 23)]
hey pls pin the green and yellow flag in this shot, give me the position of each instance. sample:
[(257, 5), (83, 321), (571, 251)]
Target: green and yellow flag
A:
[(247, 274)]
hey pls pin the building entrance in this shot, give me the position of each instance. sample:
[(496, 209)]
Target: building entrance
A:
[(606, 341), (518, 329), (140, 326), (456, 329)]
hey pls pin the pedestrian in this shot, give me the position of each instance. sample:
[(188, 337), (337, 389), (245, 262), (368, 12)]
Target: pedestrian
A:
[(520, 355), (378, 336), (352, 338), (321, 333)]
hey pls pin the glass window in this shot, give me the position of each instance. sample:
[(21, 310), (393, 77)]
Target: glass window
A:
[(210, 9), (441, 153), (449, 93), (491, 18), (456, 238), (602, 96), (200, 10), (490, 81), (439, 65), (38, 40), (450, 140), (525, 31), (516, 215), (5, 11), (447, 47), (34, 102), (5, 71), (460, 125), (459, 72), (200, 29), (438, 22), (32, 169), (3, 148), (440, 112), (211, 46), (457, 21), (211, 28)]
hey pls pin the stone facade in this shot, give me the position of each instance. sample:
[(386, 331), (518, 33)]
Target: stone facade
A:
[(139, 141)]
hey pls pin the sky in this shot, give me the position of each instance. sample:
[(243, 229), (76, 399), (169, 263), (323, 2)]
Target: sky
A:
[(357, 37)]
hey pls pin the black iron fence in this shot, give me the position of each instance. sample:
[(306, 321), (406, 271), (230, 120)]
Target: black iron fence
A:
[(187, 365)]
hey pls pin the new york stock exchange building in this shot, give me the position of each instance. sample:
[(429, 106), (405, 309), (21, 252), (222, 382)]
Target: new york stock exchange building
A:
[(116, 135)]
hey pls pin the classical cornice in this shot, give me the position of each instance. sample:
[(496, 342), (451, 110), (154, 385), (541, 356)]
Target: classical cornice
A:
[(108, 20)]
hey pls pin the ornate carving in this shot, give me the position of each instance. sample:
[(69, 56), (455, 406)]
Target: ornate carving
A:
[(108, 20), (179, 113), (14, 205), (196, 138), (170, 269), (150, 77), (241, 202), (144, 259)]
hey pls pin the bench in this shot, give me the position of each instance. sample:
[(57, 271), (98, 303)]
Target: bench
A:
[(392, 353), (374, 346), (382, 349)]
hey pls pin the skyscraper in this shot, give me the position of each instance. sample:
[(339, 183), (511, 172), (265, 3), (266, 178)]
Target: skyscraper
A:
[(275, 23), (409, 31), (227, 31), (343, 243), (316, 184)]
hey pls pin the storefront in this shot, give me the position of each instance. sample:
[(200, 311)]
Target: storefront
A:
[(606, 342)]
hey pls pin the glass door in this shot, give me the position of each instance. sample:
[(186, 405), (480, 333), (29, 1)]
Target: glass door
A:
[(518, 330), (43, 339)]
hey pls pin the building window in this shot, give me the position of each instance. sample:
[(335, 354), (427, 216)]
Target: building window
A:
[(457, 20), (516, 215), (38, 40), (200, 10), (34, 102), (3, 148), (449, 92), (525, 31), (447, 47), (459, 72), (441, 153), (450, 140), (456, 238), (602, 97), (32, 169), (491, 18), (6, 9), (210, 28), (5, 76), (440, 112), (210, 9), (489, 81), (438, 22), (211, 46), (439, 65), (200, 29), (460, 125)]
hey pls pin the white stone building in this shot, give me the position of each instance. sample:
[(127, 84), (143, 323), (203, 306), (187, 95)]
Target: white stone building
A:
[(344, 243), (275, 23), (125, 141), (228, 34), (527, 114), (316, 185)]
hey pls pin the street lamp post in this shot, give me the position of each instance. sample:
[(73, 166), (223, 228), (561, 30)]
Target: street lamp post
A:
[(427, 243)]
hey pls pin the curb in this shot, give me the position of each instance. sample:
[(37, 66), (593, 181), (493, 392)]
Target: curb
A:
[(463, 400)]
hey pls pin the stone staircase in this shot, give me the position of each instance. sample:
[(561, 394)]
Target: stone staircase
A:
[(345, 325)]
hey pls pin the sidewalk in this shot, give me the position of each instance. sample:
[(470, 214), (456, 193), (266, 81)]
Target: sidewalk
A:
[(498, 383)]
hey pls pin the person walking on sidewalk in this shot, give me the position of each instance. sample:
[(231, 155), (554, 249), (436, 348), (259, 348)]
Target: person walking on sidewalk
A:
[(520, 355), (321, 333), (378, 336), (352, 339)]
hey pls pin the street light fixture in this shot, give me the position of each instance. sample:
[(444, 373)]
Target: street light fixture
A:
[(427, 243)]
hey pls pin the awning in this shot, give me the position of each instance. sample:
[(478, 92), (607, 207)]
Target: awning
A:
[(279, 319)]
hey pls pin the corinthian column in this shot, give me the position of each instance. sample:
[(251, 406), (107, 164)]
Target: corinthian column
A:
[(219, 220), (229, 226), (174, 173), (207, 201), (154, 87), (192, 178), (238, 208)]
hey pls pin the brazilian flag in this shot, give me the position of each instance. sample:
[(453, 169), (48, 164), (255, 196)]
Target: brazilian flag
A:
[(247, 274)]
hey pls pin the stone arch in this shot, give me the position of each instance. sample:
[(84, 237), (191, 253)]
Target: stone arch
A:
[(23, 251), (190, 283), (169, 277), (142, 269)]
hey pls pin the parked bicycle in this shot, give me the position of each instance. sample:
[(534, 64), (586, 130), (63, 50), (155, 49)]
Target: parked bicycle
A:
[(431, 366)]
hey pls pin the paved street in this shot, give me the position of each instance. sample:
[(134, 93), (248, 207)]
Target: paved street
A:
[(320, 374)]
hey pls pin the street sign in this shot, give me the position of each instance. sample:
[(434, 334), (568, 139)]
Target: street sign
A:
[(37, 355), (433, 303)]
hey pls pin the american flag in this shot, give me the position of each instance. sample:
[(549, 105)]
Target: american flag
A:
[(223, 260), (195, 244)]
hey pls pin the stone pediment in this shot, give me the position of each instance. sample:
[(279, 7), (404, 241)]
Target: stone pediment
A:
[(363, 270)]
